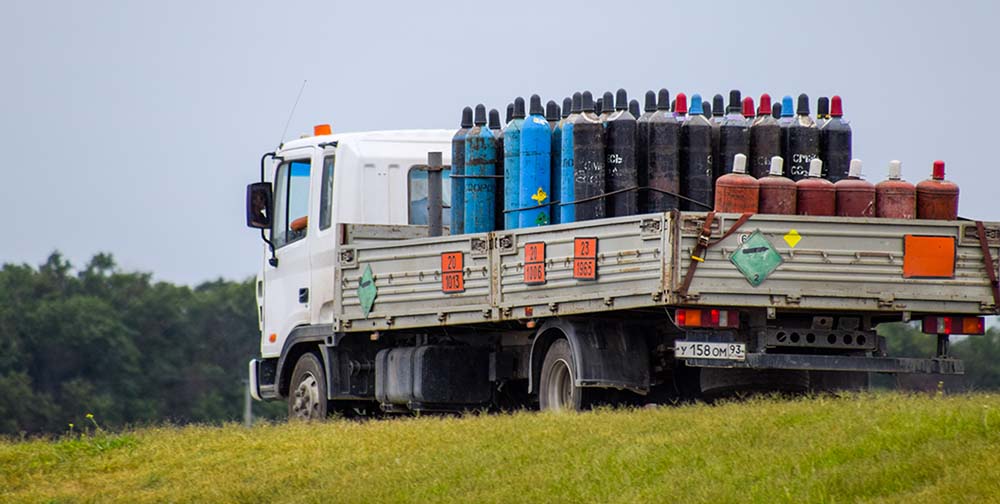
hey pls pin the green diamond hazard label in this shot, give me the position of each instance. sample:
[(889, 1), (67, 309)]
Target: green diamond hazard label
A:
[(367, 290), (756, 258)]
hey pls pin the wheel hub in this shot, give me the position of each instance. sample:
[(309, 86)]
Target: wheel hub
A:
[(306, 405)]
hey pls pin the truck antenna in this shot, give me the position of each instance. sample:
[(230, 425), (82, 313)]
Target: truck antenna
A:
[(292, 112)]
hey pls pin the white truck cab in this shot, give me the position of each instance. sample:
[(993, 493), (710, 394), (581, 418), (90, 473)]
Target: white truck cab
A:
[(318, 181)]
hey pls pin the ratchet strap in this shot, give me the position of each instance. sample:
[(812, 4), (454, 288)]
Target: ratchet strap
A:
[(704, 242), (988, 260)]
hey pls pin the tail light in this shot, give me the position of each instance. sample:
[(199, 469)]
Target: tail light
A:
[(707, 317), (936, 324)]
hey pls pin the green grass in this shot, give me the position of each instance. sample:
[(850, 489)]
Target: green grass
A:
[(869, 448)]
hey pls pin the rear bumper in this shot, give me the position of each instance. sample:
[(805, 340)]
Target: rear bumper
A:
[(837, 363)]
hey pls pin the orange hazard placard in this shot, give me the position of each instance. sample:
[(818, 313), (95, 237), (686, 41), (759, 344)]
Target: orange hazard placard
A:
[(585, 258), (452, 273), (928, 256), (534, 263)]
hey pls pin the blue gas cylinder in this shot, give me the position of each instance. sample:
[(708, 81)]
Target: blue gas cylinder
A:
[(512, 165), (480, 167), (458, 173), (536, 150)]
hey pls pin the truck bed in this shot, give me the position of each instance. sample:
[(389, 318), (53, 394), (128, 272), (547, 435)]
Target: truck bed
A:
[(836, 264)]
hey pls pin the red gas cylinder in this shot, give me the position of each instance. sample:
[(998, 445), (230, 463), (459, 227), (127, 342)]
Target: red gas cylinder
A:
[(815, 195), (777, 193), (855, 197), (936, 197), (737, 192), (895, 198)]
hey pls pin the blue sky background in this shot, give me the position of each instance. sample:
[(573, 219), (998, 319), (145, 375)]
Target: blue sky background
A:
[(132, 127)]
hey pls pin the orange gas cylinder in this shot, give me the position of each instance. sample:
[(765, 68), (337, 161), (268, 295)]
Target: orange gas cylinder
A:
[(937, 198), (855, 197), (777, 193), (814, 194), (737, 192), (895, 198)]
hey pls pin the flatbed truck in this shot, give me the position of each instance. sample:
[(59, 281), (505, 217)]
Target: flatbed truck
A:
[(363, 311)]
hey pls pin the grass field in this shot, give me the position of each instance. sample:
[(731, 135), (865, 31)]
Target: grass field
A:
[(873, 448)]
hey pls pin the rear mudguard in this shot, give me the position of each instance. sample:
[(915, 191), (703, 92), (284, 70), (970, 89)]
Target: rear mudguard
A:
[(607, 353)]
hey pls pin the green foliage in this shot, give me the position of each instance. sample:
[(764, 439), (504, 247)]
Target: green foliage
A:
[(120, 345), (854, 448)]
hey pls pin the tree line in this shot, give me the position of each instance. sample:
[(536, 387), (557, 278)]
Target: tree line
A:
[(132, 351)]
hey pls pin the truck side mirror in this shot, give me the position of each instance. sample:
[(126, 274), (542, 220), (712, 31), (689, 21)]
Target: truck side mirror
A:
[(259, 205)]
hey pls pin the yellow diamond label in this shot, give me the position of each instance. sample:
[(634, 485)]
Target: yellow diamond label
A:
[(539, 196), (792, 238)]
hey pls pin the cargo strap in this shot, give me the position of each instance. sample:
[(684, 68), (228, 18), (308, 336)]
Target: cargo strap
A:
[(988, 260), (704, 242)]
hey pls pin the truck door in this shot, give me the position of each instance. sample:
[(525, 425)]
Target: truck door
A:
[(286, 286)]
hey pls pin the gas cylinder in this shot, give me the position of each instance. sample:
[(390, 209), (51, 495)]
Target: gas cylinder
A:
[(566, 190), (697, 183), (607, 106), (663, 157), (937, 198), (510, 113), (457, 224), (706, 110), (567, 105), (822, 115), (642, 148), (855, 197), (777, 192), (895, 198), (480, 165), (835, 142), (784, 122), (814, 194), (536, 152), (551, 113), (633, 108), (494, 124), (765, 138), (717, 116), (588, 162), (734, 135), (512, 165), (737, 192), (803, 141), (776, 111), (599, 106), (621, 176), (555, 160)]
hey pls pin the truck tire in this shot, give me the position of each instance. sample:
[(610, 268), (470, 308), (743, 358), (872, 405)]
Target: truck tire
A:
[(307, 390), (556, 386)]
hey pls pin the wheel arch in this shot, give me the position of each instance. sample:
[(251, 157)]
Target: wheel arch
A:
[(303, 339)]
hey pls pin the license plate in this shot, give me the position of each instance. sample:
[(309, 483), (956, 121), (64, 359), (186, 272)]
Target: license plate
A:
[(699, 350)]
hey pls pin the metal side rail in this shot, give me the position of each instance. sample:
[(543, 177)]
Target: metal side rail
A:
[(837, 363)]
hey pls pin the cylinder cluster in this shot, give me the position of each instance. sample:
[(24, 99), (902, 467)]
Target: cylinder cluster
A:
[(593, 158)]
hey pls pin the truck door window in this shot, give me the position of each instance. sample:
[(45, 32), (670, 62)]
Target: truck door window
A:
[(326, 194), (417, 189), (291, 202)]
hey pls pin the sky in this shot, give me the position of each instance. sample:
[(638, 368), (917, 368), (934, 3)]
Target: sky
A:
[(133, 127)]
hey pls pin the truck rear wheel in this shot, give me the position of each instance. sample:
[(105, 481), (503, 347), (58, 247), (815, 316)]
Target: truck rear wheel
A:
[(557, 390), (307, 390)]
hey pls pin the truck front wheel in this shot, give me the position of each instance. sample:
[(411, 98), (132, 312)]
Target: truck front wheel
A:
[(557, 390), (307, 390)]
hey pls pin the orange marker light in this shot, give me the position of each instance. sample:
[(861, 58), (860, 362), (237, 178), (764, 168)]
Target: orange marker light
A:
[(322, 129), (272, 338)]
